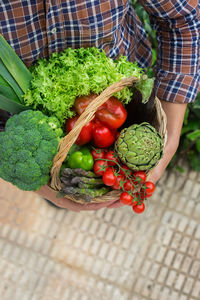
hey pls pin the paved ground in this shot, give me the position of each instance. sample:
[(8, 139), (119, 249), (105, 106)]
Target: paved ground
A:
[(49, 254)]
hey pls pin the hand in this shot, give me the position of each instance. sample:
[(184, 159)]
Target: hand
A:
[(169, 151), (49, 194), (175, 115)]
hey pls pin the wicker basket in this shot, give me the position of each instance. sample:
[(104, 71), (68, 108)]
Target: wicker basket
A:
[(87, 116)]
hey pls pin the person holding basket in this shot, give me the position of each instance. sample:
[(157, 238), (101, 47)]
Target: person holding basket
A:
[(36, 29)]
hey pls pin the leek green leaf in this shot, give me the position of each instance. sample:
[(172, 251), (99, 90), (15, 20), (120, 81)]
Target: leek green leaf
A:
[(10, 80), (11, 105), (8, 92), (14, 65), (3, 81)]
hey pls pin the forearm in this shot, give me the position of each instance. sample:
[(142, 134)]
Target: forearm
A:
[(175, 116)]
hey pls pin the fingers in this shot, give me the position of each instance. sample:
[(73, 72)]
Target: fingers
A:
[(97, 206), (158, 171), (115, 204), (67, 204), (48, 193)]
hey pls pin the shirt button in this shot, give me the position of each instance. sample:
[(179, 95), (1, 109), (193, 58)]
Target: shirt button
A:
[(53, 31)]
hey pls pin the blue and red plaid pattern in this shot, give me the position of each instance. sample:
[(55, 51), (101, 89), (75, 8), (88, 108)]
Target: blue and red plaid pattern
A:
[(36, 28), (177, 24)]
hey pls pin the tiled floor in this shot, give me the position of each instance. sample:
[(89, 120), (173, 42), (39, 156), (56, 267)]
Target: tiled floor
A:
[(111, 254)]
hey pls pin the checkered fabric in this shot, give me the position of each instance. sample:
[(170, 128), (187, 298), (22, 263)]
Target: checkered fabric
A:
[(177, 24), (36, 28)]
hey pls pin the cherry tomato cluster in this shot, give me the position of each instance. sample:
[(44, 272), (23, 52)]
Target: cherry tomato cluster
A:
[(135, 189)]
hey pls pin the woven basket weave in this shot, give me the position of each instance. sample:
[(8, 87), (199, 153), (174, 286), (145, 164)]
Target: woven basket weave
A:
[(67, 142)]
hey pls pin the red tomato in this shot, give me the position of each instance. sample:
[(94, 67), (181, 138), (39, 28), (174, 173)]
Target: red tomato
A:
[(139, 174), (103, 137), (99, 167), (129, 185), (148, 189), (126, 198), (85, 135), (146, 196), (139, 208), (112, 113), (120, 179), (111, 156), (141, 196), (97, 153), (82, 102), (96, 122), (124, 169), (109, 177), (70, 123), (134, 203)]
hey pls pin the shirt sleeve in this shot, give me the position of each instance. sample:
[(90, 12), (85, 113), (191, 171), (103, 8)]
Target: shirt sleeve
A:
[(177, 25)]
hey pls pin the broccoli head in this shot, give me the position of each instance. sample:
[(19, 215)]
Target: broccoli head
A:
[(27, 148)]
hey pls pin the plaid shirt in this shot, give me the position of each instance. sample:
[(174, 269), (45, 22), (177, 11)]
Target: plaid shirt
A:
[(36, 28)]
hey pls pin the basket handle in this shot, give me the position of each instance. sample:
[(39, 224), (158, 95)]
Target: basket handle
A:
[(66, 143)]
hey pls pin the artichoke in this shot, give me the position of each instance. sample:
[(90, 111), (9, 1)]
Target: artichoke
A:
[(139, 146)]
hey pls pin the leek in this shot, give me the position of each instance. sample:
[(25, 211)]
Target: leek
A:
[(11, 105), (10, 80), (3, 81), (7, 91), (8, 99), (14, 65)]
